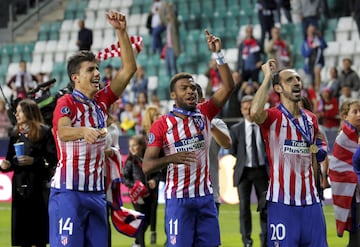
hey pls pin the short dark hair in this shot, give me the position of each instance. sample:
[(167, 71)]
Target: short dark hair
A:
[(75, 60), (275, 78), (348, 59), (177, 77)]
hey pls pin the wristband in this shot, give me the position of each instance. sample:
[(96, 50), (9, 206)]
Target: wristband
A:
[(219, 57)]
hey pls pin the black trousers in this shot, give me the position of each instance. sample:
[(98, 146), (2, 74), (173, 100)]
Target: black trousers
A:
[(257, 178)]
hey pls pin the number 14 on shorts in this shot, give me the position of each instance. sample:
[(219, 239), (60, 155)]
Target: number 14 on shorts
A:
[(65, 225)]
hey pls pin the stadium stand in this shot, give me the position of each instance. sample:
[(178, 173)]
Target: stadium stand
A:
[(56, 40)]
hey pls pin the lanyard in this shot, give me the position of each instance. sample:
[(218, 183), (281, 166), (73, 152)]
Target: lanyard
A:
[(185, 112), (80, 97), (304, 132)]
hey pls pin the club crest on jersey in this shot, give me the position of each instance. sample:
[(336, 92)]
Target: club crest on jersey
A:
[(173, 239), (151, 138), (199, 122), (64, 240), (65, 110)]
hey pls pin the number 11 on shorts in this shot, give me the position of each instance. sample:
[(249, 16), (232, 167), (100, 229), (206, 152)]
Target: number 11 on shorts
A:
[(173, 227)]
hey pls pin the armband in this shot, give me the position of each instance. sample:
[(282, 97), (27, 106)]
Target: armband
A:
[(219, 57)]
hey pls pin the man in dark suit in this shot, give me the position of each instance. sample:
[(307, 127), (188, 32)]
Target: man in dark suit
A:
[(85, 37), (250, 170)]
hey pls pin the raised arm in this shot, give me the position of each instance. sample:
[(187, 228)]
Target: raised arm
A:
[(122, 78), (223, 93), (257, 112)]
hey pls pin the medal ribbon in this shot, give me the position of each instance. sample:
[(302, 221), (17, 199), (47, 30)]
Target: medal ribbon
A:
[(80, 97), (185, 112), (196, 115), (304, 132)]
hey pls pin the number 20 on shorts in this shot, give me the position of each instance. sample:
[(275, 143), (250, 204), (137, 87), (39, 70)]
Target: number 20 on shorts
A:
[(278, 232)]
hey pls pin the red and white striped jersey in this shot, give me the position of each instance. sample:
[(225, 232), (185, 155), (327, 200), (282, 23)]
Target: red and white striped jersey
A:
[(291, 174), (174, 134), (80, 165)]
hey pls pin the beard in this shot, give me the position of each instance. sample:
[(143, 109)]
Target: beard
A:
[(186, 106)]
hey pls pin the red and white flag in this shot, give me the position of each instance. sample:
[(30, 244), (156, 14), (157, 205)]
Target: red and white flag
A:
[(342, 176)]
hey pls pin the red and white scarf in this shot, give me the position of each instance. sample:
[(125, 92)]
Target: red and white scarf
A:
[(126, 221), (250, 46), (114, 50)]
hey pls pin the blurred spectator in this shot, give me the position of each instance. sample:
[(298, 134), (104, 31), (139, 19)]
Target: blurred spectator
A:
[(43, 92), (127, 119), (5, 123), (348, 77), (249, 57), (273, 98), (278, 49), (108, 76), (266, 10), (22, 82), (138, 184), (173, 48), (139, 109), (214, 78), (32, 173), (285, 5), (151, 114), (139, 83), (345, 94), (247, 88), (148, 22), (328, 115), (333, 83), (308, 12), (44, 99), (158, 20), (234, 101), (115, 110), (85, 37), (309, 92), (355, 11), (154, 100), (313, 51)]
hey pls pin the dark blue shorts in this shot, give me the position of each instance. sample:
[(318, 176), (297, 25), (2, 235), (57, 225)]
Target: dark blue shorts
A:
[(77, 219), (296, 225), (192, 222)]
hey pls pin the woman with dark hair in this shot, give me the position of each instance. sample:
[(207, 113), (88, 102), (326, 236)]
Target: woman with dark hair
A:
[(32, 172)]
